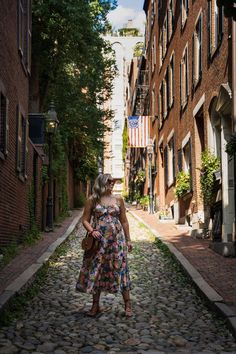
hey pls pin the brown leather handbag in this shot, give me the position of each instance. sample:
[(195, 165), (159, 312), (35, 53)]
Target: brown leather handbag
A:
[(90, 245)]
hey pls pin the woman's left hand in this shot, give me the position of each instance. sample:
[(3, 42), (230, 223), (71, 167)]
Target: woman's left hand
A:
[(129, 245)]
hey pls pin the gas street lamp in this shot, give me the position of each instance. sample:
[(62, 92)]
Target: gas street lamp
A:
[(51, 124), (150, 150)]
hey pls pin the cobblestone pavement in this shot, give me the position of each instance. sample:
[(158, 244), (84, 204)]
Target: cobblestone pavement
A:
[(168, 315)]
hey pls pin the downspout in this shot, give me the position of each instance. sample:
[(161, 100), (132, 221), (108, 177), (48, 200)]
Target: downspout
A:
[(234, 113)]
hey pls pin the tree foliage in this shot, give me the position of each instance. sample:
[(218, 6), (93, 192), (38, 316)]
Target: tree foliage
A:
[(74, 66)]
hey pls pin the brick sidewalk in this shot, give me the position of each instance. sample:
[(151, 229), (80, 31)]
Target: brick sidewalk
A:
[(218, 271), (29, 255)]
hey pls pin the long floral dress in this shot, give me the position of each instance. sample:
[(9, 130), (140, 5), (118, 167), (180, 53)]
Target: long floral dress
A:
[(108, 269)]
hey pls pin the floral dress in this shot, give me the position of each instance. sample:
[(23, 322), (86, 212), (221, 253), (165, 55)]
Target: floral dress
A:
[(108, 269)]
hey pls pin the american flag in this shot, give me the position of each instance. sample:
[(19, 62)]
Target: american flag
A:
[(138, 131)]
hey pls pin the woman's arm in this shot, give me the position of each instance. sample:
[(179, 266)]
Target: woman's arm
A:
[(86, 218), (125, 223)]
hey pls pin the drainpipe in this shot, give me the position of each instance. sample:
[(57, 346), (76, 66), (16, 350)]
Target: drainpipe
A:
[(234, 74), (234, 112)]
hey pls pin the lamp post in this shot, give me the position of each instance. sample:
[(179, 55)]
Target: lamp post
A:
[(150, 154), (51, 124)]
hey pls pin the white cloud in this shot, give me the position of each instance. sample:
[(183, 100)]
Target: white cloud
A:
[(120, 16)]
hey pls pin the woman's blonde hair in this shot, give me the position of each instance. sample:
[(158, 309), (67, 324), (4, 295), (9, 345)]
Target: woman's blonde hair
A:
[(100, 187)]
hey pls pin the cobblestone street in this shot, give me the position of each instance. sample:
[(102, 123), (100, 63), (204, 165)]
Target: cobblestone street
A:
[(168, 316)]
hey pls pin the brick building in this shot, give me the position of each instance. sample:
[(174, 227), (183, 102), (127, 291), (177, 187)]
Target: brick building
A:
[(20, 163), (188, 54)]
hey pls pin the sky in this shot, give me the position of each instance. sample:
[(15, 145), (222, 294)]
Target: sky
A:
[(128, 10)]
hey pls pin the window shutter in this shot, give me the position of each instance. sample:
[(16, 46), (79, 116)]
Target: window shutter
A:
[(160, 109), (190, 164), (200, 45), (166, 165), (19, 141), (26, 146), (6, 129), (20, 27), (174, 169), (173, 78), (154, 54), (187, 73), (197, 55), (180, 160), (221, 24), (209, 28), (181, 94), (193, 60)]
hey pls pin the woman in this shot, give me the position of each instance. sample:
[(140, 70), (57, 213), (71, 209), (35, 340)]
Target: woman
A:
[(108, 269)]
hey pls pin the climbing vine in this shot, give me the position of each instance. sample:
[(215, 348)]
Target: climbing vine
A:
[(209, 165), (183, 183)]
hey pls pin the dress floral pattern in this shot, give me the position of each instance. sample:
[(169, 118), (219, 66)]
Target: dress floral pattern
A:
[(108, 269)]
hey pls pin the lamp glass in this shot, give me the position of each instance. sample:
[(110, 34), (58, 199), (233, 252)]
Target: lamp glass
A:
[(51, 120)]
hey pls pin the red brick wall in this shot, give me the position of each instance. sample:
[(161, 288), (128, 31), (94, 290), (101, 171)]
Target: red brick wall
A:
[(214, 73), (14, 211)]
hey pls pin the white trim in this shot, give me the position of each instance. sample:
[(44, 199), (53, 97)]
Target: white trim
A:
[(186, 139), (199, 14), (199, 105), (161, 140), (170, 135)]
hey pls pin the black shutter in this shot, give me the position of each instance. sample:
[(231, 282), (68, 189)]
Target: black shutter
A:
[(179, 160), (190, 164), (193, 57), (174, 169), (221, 24), (209, 28), (166, 165), (200, 47)]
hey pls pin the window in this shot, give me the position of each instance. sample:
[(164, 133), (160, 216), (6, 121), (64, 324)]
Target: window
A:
[(153, 104), (197, 52), (170, 19), (164, 97), (160, 109), (171, 82), (185, 159), (154, 53), (22, 148), (184, 78), (153, 13), (161, 49), (4, 126), (164, 37), (215, 26), (24, 32), (171, 161), (184, 11)]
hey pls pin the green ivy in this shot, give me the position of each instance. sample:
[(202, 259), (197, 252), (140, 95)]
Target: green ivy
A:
[(125, 141), (231, 145), (33, 234), (209, 164), (182, 185), (140, 177)]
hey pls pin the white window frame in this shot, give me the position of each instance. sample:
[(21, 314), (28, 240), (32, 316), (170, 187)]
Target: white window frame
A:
[(184, 12), (170, 159), (197, 50), (171, 81), (184, 78)]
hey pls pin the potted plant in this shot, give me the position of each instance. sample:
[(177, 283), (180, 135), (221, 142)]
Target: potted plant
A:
[(183, 184), (144, 202)]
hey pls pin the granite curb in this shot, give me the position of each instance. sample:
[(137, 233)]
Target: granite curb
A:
[(26, 277), (213, 298)]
